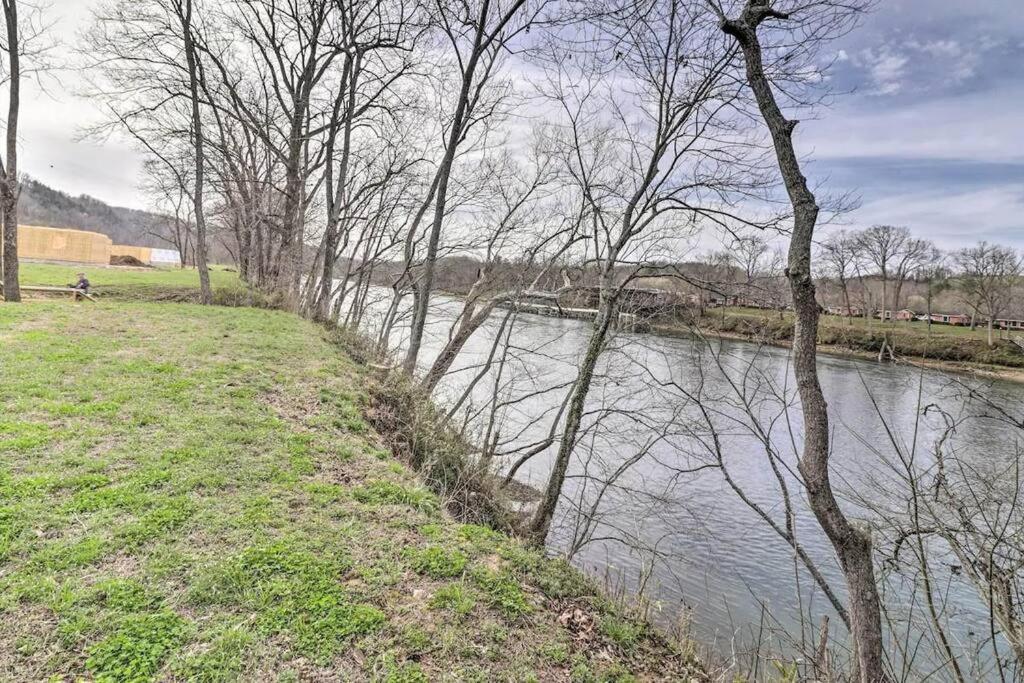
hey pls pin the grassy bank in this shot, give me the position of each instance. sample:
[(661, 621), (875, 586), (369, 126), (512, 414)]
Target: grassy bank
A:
[(192, 493), (144, 284), (957, 347)]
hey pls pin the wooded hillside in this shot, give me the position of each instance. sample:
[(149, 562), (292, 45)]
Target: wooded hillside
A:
[(45, 206)]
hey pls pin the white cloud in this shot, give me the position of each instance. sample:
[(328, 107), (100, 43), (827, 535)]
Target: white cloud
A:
[(979, 127), (952, 219), (940, 48), (887, 70)]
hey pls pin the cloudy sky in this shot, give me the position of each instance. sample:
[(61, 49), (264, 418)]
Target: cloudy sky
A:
[(929, 130), (932, 134)]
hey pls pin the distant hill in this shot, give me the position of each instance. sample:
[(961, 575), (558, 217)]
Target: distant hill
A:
[(44, 206)]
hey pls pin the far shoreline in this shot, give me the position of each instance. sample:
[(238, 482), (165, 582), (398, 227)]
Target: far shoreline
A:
[(983, 370)]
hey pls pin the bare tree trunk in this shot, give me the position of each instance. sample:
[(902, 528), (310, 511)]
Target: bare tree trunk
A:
[(9, 181), (471, 322), (929, 309), (853, 546), (541, 522), (897, 293), (336, 197), (483, 38), (205, 293), (846, 298), (422, 287), (884, 295)]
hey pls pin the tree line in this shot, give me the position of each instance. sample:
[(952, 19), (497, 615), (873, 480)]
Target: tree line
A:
[(985, 278)]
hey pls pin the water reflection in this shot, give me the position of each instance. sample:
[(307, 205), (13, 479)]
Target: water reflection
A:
[(671, 521)]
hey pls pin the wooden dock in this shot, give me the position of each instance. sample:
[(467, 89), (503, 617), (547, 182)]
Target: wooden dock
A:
[(624, 321)]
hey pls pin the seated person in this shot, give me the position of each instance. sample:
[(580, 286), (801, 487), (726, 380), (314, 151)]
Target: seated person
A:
[(82, 285)]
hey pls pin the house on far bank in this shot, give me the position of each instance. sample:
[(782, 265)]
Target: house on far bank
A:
[(844, 311), (951, 318), (904, 314), (1009, 324)]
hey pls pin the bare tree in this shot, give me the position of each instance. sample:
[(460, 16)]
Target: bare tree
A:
[(9, 169), (881, 246), (376, 55), (916, 254), (149, 75), (762, 267), (478, 35), (518, 190), (29, 46), (748, 253), (852, 544), (274, 82), (183, 10), (952, 523), (635, 178), (935, 275), (173, 202), (988, 276), (839, 254)]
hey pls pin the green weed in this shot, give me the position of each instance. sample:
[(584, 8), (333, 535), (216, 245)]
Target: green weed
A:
[(390, 493), (455, 598), (437, 562), (623, 633), (138, 647), (292, 591), (502, 591)]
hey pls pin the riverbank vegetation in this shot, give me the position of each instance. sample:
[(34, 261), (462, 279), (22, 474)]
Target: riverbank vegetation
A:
[(195, 493), (959, 347)]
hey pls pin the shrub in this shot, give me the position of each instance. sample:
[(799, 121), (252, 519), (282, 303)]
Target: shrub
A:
[(416, 431)]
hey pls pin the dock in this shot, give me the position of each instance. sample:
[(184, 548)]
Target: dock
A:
[(624, 321)]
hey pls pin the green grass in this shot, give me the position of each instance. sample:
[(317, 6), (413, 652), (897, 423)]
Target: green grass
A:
[(101, 277), (917, 327), (438, 562), (192, 493), (454, 597)]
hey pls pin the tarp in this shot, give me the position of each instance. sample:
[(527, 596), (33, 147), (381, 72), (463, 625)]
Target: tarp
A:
[(61, 244)]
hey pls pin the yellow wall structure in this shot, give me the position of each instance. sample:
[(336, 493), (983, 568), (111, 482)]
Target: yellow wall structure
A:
[(60, 244), (144, 254)]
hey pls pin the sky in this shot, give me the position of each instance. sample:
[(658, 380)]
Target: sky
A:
[(926, 128), (930, 132)]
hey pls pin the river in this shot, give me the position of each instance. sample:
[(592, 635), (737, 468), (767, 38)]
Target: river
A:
[(670, 521)]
